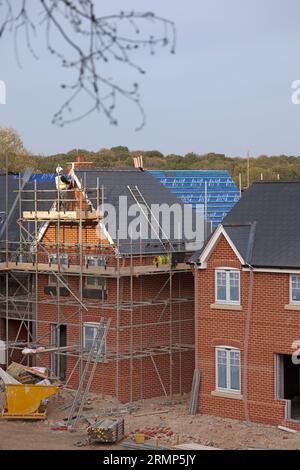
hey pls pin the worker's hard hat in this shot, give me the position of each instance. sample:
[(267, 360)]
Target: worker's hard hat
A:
[(59, 169)]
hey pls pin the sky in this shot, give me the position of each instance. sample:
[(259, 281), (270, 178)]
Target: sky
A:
[(227, 89)]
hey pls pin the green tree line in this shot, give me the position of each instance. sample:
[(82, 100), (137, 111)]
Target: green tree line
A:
[(14, 156)]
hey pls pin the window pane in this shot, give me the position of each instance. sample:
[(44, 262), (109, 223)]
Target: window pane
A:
[(63, 259), (94, 282), (52, 279), (99, 341), (89, 332), (101, 281), (90, 281), (234, 286), (235, 370), (221, 368), (221, 285), (296, 288)]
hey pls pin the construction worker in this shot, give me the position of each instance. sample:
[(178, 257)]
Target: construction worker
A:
[(62, 185)]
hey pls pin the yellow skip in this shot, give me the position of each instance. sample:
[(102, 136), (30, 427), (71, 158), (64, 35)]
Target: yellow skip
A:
[(24, 401)]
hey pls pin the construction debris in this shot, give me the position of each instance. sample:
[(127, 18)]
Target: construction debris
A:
[(194, 446), (106, 430), (26, 375), (114, 410), (147, 446), (283, 428), (156, 431), (81, 443), (121, 410), (151, 413), (6, 378)]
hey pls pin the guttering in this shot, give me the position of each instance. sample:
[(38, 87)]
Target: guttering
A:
[(272, 270)]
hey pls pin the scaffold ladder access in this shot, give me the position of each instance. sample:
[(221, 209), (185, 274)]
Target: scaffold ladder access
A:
[(95, 355)]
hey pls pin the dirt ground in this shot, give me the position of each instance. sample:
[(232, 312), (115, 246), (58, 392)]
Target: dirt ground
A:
[(201, 429)]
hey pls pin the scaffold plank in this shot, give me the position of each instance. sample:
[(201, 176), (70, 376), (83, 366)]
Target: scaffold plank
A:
[(62, 215)]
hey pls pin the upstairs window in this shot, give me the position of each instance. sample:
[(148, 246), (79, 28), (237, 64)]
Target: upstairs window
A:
[(53, 259), (227, 286), (95, 261), (295, 289)]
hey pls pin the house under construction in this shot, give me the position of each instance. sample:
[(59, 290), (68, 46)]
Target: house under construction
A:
[(68, 283)]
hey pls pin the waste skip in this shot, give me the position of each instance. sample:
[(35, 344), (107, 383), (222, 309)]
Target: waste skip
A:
[(25, 401)]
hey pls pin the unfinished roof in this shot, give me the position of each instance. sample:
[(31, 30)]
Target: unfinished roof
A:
[(11, 204), (8, 194), (214, 189), (264, 225), (116, 183)]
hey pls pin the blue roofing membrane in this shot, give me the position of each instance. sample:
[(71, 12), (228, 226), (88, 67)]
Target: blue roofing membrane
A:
[(42, 177), (189, 187)]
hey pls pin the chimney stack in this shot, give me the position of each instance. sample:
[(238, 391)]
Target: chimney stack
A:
[(80, 163), (138, 163)]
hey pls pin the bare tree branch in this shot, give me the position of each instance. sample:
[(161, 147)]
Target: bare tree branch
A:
[(91, 42)]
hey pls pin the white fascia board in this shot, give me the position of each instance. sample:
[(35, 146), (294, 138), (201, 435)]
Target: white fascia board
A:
[(274, 270), (211, 245)]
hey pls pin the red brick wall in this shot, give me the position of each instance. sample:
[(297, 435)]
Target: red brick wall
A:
[(272, 330), (145, 381)]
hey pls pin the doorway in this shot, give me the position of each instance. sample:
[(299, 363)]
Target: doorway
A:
[(288, 384), (59, 359)]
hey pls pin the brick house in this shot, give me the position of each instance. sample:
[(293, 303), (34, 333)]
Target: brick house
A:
[(77, 272), (247, 305)]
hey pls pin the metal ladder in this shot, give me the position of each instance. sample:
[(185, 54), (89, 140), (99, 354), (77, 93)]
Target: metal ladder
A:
[(142, 203), (94, 353)]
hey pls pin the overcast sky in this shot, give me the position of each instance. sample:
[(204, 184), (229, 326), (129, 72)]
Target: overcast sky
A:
[(227, 89)]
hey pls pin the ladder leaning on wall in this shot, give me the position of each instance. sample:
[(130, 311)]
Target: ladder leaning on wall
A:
[(94, 354)]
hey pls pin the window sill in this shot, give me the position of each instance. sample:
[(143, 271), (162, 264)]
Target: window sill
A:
[(221, 394), (226, 307), (292, 307)]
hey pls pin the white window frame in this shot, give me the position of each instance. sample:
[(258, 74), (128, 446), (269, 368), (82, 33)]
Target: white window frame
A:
[(295, 302), (95, 326), (95, 287), (228, 349), (227, 300), (63, 258), (93, 261)]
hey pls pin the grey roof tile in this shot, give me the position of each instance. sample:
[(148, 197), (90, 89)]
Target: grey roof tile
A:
[(274, 207), (115, 183)]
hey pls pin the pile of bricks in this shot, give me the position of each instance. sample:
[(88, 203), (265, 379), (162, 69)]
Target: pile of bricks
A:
[(156, 431)]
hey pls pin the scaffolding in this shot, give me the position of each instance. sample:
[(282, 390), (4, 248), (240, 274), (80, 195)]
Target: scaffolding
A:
[(25, 264)]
